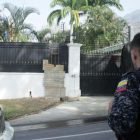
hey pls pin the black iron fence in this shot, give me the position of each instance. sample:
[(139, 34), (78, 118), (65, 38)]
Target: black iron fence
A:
[(101, 69), (28, 57)]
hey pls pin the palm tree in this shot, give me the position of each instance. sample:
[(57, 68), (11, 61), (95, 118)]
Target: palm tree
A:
[(114, 3), (40, 35), (19, 14), (73, 8)]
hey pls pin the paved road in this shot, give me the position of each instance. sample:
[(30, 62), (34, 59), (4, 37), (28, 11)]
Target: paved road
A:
[(86, 107), (96, 131)]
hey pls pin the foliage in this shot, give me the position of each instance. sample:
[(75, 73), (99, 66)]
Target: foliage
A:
[(102, 28), (76, 9), (40, 35), (61, 36), (73, 8), (5, 26), (21, 37), (19, 14), (1, 32)]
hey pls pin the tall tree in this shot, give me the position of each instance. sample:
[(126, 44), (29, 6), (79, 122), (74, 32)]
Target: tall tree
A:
[(72, 8), (19, 15)]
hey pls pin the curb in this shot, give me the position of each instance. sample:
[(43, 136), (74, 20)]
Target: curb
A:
[(8, 133), (56, 124)]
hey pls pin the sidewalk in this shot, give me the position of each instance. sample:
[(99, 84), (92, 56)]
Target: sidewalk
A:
[(85, 108)]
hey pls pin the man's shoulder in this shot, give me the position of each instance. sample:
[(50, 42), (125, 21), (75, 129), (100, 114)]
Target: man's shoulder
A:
[(127, 73), (133, 78), (132, 74)]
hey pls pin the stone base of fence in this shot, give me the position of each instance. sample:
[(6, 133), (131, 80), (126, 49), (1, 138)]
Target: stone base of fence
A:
[(54, 80)]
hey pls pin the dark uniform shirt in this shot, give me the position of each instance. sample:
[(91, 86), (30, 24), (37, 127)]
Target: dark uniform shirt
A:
[(124, 113)]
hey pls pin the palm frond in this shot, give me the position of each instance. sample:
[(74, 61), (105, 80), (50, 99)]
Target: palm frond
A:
[(19, 14), (71, 18), (35, 33), (61, 3), (11, 8), (76, 17), (26, 26), (74, 3), (58, 19), (85, 8), (27, 11), (65, 11), (115, 4), (6, 22), (40, 35), (53, 15)]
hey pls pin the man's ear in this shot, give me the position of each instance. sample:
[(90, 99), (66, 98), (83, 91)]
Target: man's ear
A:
[(134, 54)]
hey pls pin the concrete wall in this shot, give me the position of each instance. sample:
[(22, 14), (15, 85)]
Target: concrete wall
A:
[(18, 85)]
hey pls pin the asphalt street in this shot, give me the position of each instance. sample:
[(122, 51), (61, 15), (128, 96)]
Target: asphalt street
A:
[(94, 131)]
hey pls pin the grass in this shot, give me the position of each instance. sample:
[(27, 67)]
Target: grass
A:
[(14, 108)]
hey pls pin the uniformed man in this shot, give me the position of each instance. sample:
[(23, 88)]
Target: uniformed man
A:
[(124, 109)]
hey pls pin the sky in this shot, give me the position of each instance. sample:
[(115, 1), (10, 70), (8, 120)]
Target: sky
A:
[(40, 21)]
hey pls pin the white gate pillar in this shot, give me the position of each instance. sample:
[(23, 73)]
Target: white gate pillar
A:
[(72, 79)]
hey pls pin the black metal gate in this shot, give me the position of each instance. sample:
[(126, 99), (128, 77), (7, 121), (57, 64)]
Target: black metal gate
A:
[(28, 57), (100, 73)]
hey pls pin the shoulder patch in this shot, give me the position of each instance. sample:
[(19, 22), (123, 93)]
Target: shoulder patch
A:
[(122, 86)]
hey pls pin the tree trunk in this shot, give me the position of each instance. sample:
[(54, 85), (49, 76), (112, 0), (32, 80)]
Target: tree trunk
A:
[(71, 32)]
